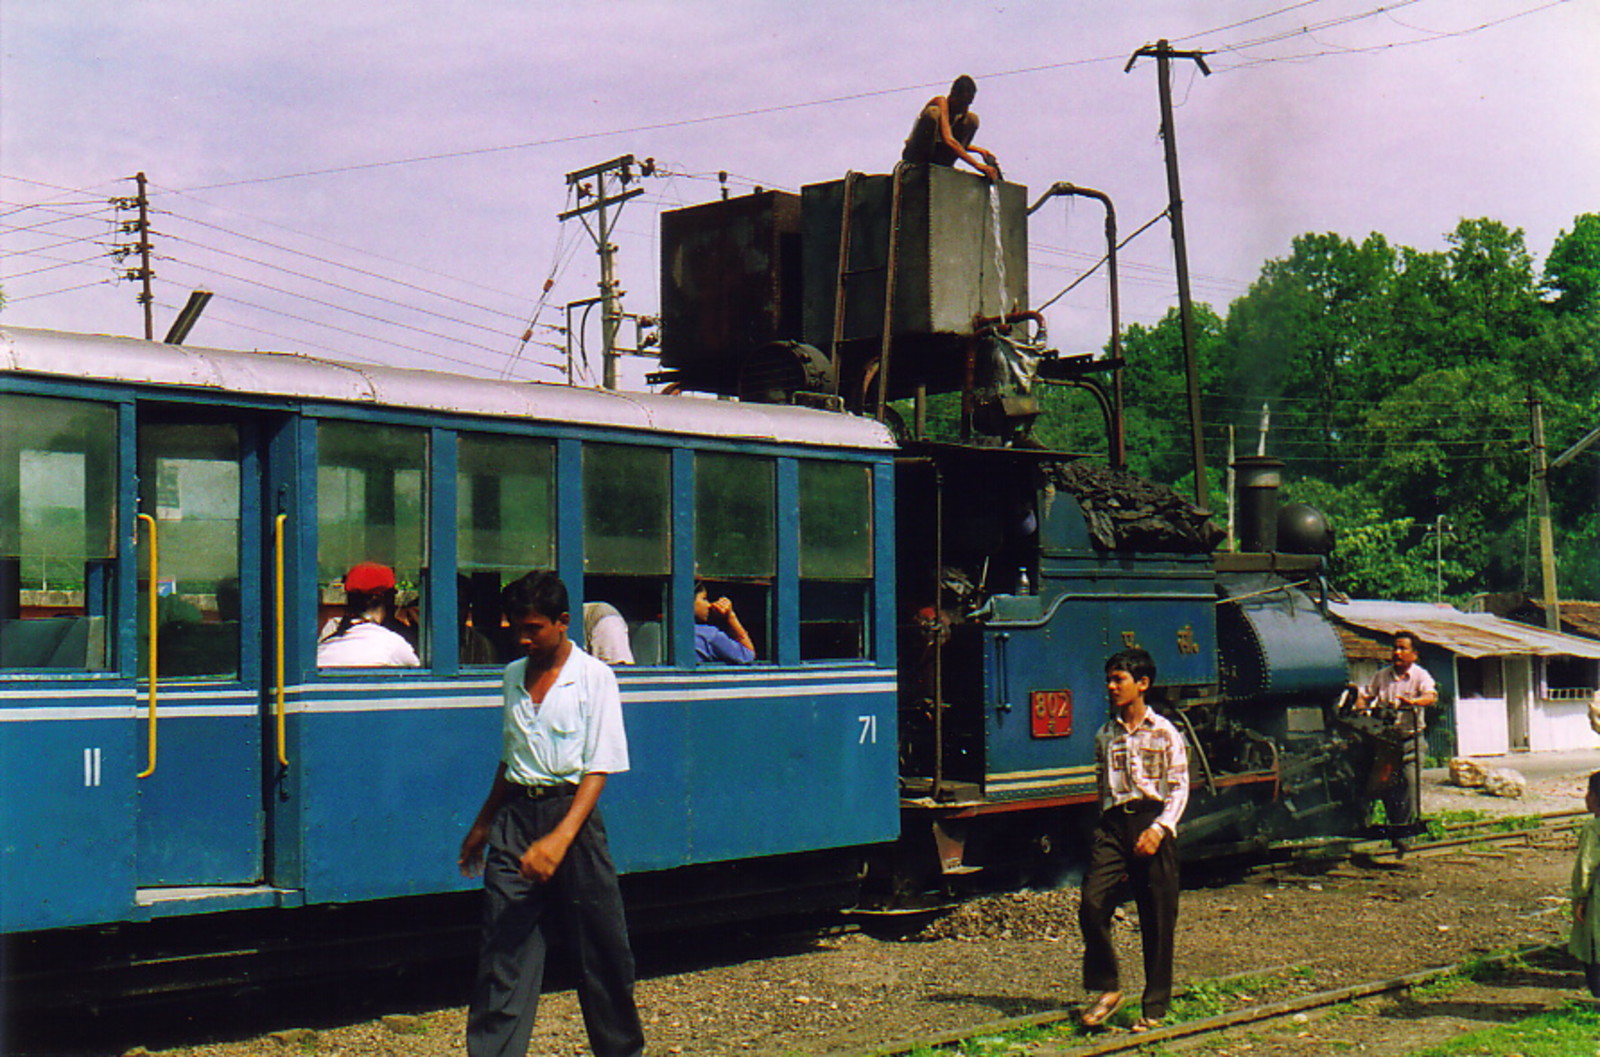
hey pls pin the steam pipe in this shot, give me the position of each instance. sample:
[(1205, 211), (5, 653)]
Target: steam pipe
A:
[(1097, 391), (1119, 450), (1002, 324)]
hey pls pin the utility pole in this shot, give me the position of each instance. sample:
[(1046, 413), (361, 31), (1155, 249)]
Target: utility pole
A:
[(1163, 53), (606, 205), (140, 227), (1547, 542), (1441, 528)]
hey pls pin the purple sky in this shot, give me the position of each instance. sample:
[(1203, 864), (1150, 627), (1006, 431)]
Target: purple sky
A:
[(1331, 115)]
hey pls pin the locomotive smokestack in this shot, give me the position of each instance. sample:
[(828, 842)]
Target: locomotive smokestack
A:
[(1258, 479)]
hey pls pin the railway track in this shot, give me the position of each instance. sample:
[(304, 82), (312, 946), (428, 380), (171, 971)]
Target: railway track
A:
[(1116, 1040), (1544, 829)]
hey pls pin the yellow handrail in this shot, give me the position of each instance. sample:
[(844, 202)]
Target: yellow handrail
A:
[(155, 588), (277, 545)]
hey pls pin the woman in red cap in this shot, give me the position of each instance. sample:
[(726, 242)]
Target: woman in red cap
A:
[(359, 639)]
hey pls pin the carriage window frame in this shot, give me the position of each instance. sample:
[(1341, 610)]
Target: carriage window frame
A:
[(837, 583), (409, 550), (501, 532), (190, 480), (51, 641), (736, 537), (624, 482)]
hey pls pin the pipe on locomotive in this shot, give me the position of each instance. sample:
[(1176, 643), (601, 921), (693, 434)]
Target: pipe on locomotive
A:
[(1119, 452)]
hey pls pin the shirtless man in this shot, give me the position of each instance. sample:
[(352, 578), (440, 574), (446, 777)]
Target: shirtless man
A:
[(944, 129)]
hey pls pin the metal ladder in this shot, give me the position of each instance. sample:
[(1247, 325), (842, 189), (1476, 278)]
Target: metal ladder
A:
[(845, 273)]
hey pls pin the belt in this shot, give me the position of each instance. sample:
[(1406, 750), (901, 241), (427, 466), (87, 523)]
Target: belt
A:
[(1134, 807), (542, 792)]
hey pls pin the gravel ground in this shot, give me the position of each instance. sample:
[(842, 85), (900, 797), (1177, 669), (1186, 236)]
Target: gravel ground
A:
[(1004, 956)]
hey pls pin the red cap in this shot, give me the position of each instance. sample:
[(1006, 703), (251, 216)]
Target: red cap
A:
[(368, 578)]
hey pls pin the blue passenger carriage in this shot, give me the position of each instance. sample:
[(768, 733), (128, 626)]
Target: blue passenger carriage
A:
[(174, 526)]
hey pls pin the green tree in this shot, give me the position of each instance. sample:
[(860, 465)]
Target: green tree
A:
[(1302, 340), (1572, 271), (1155, 392)]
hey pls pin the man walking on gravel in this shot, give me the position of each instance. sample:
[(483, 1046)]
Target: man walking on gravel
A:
[(548, 866), (1142, 769)]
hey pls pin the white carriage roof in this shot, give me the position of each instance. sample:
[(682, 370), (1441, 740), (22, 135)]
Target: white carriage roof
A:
[(133, 361), (1468, 634)]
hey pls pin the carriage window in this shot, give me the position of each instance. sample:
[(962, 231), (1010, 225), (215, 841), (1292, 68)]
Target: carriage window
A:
[(835, 559), (57, 531), (371, 501), (189, 482), (735, 536), (505, 526), (627, 538)]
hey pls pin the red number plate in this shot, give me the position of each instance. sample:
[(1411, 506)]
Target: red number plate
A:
[(1052, 713)]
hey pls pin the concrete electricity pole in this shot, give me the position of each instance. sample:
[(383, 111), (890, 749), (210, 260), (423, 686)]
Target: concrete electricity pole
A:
[(1163, 53), (621, 170)]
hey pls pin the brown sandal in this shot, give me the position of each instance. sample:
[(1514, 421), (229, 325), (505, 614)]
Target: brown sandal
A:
[(1146, 1024), (1102, 1009)]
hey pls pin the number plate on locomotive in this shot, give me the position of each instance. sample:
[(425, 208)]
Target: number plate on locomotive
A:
[(1052, 713)]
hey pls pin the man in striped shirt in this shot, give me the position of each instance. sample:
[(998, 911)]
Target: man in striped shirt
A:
[(1142, 767)]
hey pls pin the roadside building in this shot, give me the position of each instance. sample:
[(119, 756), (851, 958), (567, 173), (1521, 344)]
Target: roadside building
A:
[(1504, 686), (1577, 617)]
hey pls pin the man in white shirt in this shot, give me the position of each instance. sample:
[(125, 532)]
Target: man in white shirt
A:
[(541, 843)]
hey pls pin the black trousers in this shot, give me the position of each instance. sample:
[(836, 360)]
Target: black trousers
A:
[(1392, 781), (1115, 873), (580, 905)]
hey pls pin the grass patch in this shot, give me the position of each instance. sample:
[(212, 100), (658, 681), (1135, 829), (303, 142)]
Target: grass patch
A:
[(1439, 822), (1570, 1031), (1209, 998), (1477, 969)]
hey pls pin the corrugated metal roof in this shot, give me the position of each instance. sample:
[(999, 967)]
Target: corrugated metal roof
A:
[(1468, 634), (83, 356)]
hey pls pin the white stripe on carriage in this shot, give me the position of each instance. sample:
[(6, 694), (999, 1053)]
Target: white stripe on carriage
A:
[(123, 710), (722, 674), (53, 712), (729, 693), (364, 700), (383, 704), (321, 706)]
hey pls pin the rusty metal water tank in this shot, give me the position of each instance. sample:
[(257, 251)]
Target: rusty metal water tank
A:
[(947, 271), (730, 279)]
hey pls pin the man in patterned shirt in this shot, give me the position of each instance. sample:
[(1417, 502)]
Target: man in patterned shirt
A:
[(1407, 690), (1142, 767)]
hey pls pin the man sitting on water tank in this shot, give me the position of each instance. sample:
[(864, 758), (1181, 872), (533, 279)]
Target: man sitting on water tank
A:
[(711, 643), (944, 129)]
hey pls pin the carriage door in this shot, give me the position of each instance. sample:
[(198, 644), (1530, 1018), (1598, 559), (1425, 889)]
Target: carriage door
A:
[(200, 806)]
